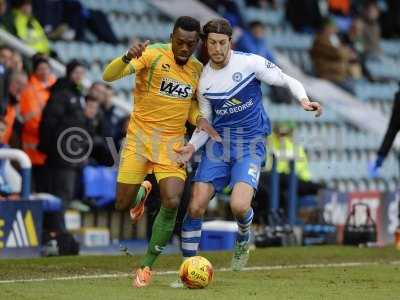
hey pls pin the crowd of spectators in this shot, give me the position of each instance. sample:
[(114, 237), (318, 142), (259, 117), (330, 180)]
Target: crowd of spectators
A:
[(347, 33), (344, 43), (36, 107)]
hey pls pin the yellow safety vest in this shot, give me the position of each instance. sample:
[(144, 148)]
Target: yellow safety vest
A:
[(31, 32), (285, 149)]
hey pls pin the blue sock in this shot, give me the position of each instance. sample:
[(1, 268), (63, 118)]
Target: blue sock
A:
[(191, 234), (244, 224)]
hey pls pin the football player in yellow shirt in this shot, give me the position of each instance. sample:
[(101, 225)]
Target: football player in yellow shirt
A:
[(166, 78)]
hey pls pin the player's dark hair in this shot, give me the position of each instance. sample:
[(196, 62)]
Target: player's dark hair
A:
[(221, 26), (187, 23)]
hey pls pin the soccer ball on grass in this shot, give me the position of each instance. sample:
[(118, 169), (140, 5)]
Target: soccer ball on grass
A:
[(196, 272)]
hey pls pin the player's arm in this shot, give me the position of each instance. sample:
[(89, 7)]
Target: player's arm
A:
[(185, 153), (204, 130), (202, 115), (196, 119), (194, 112), (390, 135), (131, 62), (269, 73)]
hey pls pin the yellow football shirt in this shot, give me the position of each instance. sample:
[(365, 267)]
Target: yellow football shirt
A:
[(164, 99)]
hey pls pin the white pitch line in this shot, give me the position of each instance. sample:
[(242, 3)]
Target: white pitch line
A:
[(255, 268)]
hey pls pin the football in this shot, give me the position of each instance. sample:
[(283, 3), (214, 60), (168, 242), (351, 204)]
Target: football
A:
[(196, 272)]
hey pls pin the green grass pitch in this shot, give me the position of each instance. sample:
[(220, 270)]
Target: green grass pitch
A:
[(328, 272)]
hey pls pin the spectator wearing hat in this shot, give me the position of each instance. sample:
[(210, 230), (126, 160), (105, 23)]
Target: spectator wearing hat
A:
[(62, 118), (33, 100)]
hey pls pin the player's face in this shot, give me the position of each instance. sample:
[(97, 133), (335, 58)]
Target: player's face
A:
[(183, 44), (218, 47)]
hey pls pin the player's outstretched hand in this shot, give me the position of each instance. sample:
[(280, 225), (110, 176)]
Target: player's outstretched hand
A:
[(312, 106), (185, 153), (375, 166), (373, 170), (137, 49), (203, 124)]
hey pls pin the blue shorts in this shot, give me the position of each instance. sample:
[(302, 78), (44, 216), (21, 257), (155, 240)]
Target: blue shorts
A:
[(239, 164)]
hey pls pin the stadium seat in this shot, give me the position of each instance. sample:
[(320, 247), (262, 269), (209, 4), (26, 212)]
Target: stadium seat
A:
[(99, 184), (391, 47)]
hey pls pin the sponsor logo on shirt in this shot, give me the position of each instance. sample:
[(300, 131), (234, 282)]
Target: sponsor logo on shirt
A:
[(175, 89), (231, 103), (233, 106)]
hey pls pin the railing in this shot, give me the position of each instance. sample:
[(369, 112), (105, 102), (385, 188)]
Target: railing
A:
[(25, 164)]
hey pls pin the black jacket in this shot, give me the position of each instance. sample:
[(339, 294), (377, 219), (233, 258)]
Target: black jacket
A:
[(393, 128), (62, 115), (98, 129), (4, 82), (303, 14)]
